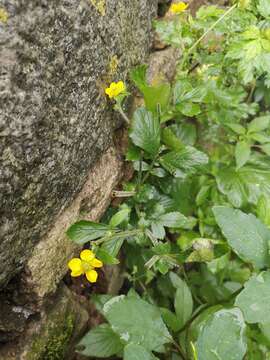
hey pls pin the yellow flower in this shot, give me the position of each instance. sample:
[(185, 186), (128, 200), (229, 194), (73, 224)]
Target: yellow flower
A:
[(177, 8), (85, 265), (3, 15), (115, 89)]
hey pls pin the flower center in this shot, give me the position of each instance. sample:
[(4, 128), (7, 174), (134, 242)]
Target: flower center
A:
[(86, 266)]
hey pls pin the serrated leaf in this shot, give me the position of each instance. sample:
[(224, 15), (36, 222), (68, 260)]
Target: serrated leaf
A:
[(145, 131), (223, 337), (246, 235), (84, 231), (173, 219), (242, 153), (137, 352), (183, 162), (137, 321), (254, 299), (245, 185), (100, 342)]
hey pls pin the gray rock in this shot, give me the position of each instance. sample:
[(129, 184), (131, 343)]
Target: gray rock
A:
[(56, 58)]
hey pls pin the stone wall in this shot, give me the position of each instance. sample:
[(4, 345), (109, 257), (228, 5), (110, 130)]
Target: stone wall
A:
[(57, 156)]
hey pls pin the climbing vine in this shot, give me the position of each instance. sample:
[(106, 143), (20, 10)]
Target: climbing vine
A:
[(194, 226)]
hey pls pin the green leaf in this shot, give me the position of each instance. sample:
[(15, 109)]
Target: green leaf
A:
[(137, 352), (113, 246), (100, 342), (83, 231), (189, 109), (169, 31), (254, 299), (259, 124), (173, 219), (223, 337), (170, 319), (183, 302), (171, 140), (145, 131), (264, 8), (242, 153), (237, 128), (119, 217), (246, 235), (138, 76), (266, 149), (153, 95), (157, 95), (105, 257), (137, 321), (183, 162), (245, 185), (263, 209)]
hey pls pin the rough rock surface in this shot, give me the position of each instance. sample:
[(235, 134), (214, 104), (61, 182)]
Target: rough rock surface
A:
[(48, 263), (53, 334), (56, 57)]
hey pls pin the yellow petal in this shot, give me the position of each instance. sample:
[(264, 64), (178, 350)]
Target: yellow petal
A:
[(115, 89), (96, 263), (177, 8), (91, 276), (75, 266), (108, 91), (87, 255)]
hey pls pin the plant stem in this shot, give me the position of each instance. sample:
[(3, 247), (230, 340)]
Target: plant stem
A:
[(121, 234), (123, 194), (150, 168), (124, 116), (178, 347), (193, 47)]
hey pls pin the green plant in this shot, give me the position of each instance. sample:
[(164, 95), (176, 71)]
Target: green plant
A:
[(194, 229)]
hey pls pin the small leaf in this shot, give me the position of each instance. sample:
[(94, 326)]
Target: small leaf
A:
[(259, 124), (189, 109), (173, 219), (183, 302), (237, 128), (246, 235), (266, 149), (264, 8), (137, 352), (145, 131), (242, 153), (119, 217), (100, 342), (263, 209), (105, 257), (113, 246), (223, 337), (171, 140), (254, 299), (170, 319), (84, 231)]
